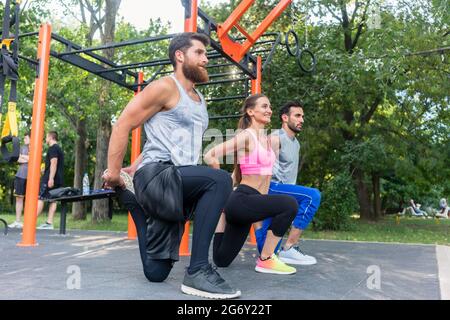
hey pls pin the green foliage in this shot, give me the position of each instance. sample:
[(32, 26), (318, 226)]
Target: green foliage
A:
[(2, 192), (379, 108), (389, 229), (338, 204)]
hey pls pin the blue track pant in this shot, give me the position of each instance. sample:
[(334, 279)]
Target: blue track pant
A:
[(308, 200)]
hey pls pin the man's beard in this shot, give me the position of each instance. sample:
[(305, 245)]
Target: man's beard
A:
[(294, 128), (195, 73)]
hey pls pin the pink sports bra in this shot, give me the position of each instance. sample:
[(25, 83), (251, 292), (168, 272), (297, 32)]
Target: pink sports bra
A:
[(260, 161)]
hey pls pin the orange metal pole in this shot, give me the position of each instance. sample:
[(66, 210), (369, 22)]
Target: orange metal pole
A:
[(184, 245), (234, 17), (190, 24), (252, 236), (235, 49), (244, 32), (271, 17), (37, 135), (135, 152)]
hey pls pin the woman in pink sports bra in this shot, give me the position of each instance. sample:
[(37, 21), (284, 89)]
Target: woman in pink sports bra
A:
[(249, 202)]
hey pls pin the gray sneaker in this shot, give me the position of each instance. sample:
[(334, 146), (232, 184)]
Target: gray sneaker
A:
[(207, 283), (45, 226), (16, 224), (127, 179)]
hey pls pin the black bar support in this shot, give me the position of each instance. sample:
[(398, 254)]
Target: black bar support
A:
[(120, 44), (222, 81), (226, 98), (231, 116)]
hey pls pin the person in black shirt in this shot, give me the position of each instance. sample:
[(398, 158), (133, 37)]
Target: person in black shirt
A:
[(52, 178)]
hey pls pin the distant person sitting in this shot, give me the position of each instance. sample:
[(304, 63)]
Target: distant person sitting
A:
[(415, 209), (443, 209)]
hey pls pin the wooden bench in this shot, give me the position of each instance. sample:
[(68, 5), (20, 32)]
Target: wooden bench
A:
[(94, 195)]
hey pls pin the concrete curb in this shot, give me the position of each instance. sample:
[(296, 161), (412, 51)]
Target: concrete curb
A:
[(443, 261)]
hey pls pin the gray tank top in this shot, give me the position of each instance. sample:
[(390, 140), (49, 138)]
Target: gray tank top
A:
[(23, 168), (176, 134), (285, 168)]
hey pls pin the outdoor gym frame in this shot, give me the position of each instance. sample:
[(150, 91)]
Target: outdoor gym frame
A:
[(235, 51)]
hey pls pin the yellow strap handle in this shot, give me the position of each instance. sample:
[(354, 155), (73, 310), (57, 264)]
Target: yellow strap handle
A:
[(10, 127), (7, 43)]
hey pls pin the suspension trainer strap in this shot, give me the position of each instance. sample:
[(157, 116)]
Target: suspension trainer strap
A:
[(9, 70)]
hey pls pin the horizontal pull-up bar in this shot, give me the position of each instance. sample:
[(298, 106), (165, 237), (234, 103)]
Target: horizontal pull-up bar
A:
[(28, 34), (35, 62), (224, 74), (208, 66), (91, 54), (138, 65), (152, 63), (225, 117), (220, 65), (120, 44), (221, 81), (267, 34), (226, 98)]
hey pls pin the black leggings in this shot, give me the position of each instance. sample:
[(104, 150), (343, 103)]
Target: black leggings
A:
[(154, 270), (205, 187), (244, 207)]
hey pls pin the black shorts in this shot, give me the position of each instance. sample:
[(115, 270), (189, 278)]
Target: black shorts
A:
[(160, 239), (44, 189), (20, 186)]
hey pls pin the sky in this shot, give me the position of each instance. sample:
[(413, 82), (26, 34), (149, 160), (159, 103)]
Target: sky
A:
[(139, 12)]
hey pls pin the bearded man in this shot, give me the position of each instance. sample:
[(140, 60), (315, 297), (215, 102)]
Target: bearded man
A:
[(175, 118)]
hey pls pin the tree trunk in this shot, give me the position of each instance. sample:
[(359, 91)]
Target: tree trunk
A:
[(350, 42), (100, 207), (81, 156), (363, 196), (376, 195), (79, 208)]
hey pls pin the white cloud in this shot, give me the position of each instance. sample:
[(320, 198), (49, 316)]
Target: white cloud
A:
[(139, 12), (136, 12)]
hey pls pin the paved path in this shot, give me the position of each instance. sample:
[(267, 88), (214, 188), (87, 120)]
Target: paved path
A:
[(110, 268)]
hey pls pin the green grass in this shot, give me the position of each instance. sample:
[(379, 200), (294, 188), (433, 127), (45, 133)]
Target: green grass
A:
[(406, 230), (118, 223)]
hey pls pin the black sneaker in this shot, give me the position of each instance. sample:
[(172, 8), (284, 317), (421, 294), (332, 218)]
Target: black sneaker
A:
[(207, 283)]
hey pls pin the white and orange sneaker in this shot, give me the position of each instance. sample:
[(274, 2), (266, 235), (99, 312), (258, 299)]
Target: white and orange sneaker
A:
[(273, 265)]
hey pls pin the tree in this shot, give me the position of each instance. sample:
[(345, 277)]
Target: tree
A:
[(102, 18), (376, 100), (376, 106)]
